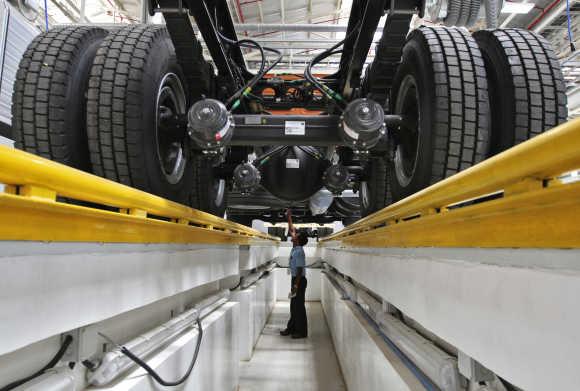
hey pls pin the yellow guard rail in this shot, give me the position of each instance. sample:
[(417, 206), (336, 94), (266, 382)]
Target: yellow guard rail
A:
[(515, 199), (98, 210)]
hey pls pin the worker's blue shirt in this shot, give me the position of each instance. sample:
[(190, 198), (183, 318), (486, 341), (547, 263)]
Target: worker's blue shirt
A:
[(297, 259)]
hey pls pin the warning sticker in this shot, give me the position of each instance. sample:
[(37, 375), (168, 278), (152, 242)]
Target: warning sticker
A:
[(253, 119), (292, 163), (295, 128)]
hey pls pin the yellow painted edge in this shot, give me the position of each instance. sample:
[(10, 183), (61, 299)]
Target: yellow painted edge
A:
[(546, 218), (543, 157), (34, 219)]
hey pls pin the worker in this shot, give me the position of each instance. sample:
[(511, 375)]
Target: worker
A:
[(298, 324)]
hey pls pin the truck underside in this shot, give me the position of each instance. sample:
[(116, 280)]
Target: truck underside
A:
[(213, 135)]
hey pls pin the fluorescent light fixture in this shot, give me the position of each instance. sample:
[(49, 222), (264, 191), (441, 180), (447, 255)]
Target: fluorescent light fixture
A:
[(516, 8)]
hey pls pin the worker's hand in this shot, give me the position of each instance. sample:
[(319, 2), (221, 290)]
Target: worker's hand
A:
[(288, 212)]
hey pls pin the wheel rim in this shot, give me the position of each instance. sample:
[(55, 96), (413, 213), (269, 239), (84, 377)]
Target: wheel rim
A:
[(170, 102), (406, 154), (219, 189), (365, 195)]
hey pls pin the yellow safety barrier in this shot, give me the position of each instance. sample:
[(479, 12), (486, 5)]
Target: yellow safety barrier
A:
[(514, 199), (98, 210)]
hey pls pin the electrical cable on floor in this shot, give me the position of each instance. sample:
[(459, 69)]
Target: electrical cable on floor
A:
[(569, 17), (57, 357), (137, 360)]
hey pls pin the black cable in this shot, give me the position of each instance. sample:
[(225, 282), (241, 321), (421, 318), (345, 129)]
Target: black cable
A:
[(154, 374), (327, 53), (237, 286), (245, 90), (57, 357), (248, 43), (310, 77)]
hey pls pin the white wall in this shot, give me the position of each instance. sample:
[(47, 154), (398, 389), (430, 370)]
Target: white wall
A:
[(217, 366), (62, 286), (256, 304), (254, 256)]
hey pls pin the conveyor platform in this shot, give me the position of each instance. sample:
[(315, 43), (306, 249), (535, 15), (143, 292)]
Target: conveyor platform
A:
[(480, 270)]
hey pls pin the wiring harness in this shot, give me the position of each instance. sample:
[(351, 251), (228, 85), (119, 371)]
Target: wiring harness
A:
[(234, 101), (325, 54)]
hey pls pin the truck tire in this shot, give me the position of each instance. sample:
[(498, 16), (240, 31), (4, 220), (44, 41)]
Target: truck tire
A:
[(135, 84), (210, 193), (525, 83), (374, 191), (49, 99), (441, 91)]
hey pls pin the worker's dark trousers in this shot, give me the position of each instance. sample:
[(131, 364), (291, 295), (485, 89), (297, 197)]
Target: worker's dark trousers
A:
[(298, 324)]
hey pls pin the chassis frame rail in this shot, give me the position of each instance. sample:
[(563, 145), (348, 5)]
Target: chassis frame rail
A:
[(47, 201), (515, 199)]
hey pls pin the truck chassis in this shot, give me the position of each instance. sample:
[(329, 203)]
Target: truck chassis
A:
[(141, 105)]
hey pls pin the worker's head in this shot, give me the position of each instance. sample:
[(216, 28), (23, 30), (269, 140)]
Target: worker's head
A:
[(301, 239)]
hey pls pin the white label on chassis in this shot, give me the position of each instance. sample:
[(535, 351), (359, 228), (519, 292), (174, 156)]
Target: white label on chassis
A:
[(295, 128), (292, 163)]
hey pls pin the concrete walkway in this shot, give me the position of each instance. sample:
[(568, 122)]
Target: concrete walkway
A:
[(281, 363)]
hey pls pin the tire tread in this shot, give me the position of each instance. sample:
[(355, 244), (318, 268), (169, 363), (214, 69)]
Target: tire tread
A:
[(44, 75)]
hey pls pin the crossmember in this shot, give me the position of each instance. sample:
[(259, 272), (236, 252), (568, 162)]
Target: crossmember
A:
[(519, 198)]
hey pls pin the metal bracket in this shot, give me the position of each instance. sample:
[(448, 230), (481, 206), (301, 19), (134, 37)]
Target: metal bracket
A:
[(73, 353), (472, 369)]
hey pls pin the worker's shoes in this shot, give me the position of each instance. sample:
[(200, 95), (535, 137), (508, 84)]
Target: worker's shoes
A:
[(285, 332), (299, 336)]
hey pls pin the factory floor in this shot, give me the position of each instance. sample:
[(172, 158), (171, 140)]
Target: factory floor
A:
[(281, 363)]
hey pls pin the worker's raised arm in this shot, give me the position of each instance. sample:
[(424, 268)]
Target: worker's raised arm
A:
[(291, 229)]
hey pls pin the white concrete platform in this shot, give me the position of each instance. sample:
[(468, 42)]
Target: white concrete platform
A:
[(281, 363), (512, 310), (217, 365), (63, 286)]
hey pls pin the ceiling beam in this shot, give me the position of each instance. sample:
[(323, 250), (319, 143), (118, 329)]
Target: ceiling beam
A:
[(551, 16), (65, 11), (283, 14), (309, 14), (510, 17), (296, 27), (260, 11)]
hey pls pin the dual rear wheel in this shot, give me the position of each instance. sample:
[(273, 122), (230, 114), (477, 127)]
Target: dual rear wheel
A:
[(106, 103), (463, 99)]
